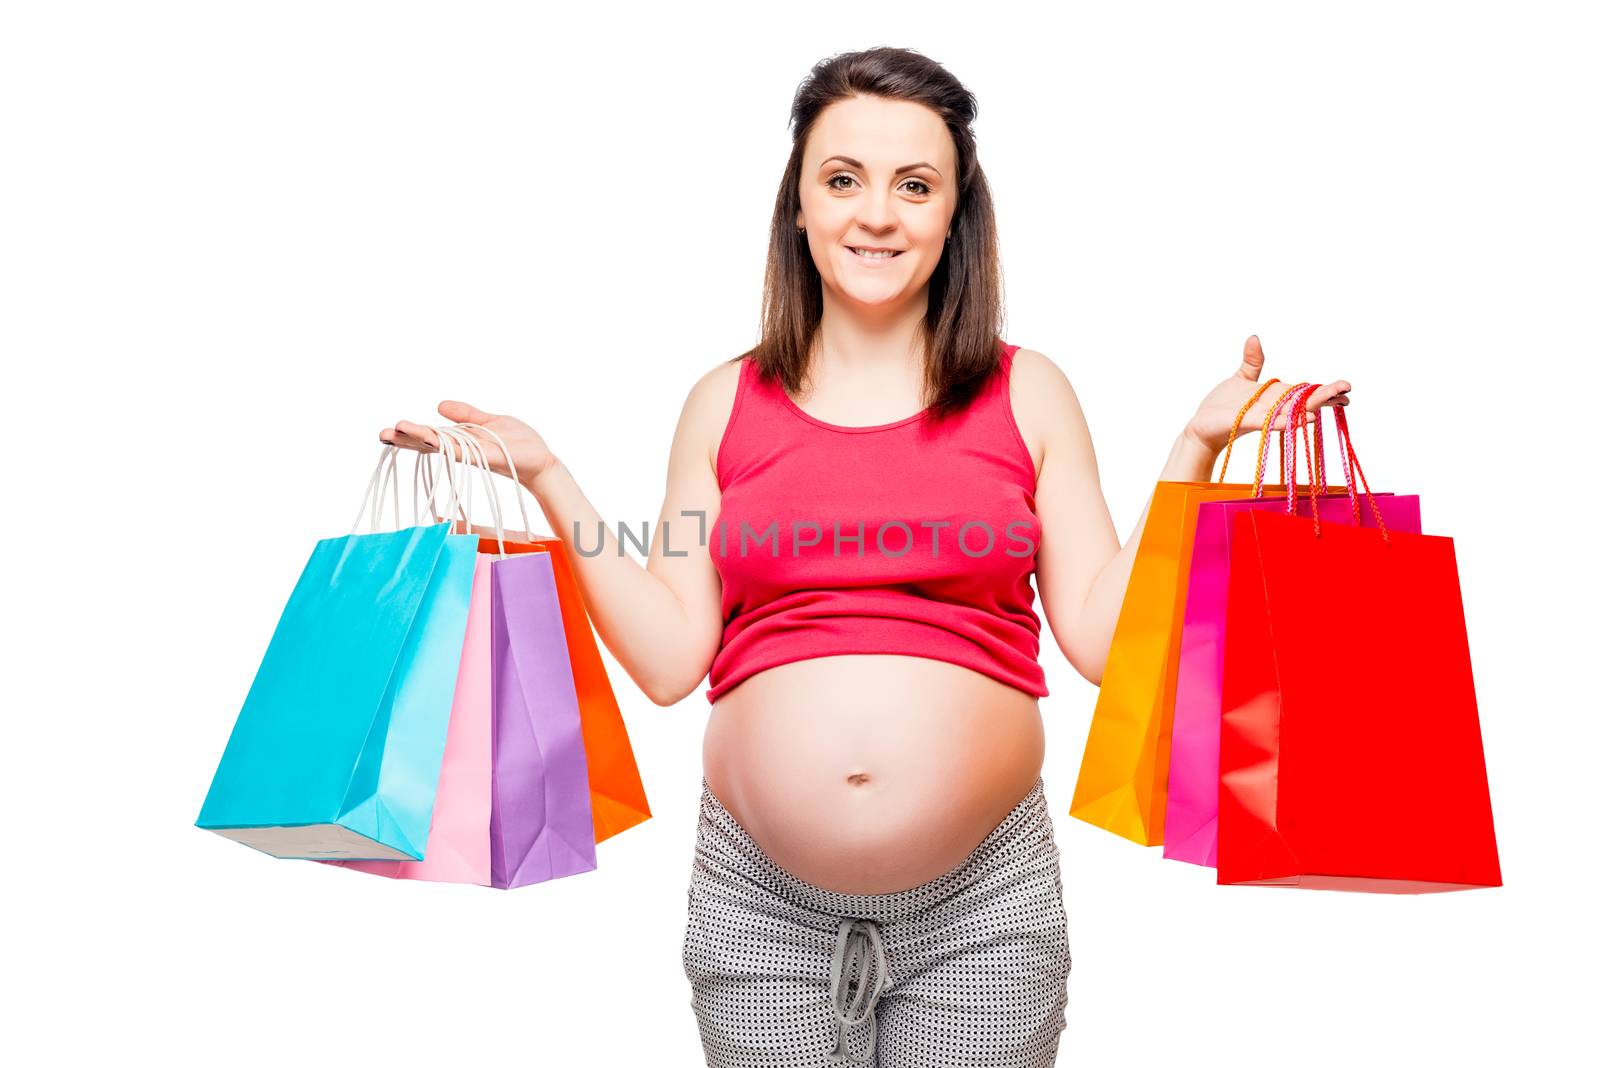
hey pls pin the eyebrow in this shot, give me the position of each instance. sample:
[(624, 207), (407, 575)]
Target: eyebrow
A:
[(858, 165)]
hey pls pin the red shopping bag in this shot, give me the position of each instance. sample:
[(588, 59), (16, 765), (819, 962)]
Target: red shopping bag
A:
[(1351, 756)]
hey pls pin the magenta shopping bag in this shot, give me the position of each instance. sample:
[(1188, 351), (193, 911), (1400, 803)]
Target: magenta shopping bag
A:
[(1191, 817)]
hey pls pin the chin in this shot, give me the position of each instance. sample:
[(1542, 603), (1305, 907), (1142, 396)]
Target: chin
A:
[(867, 292), (877, 298)]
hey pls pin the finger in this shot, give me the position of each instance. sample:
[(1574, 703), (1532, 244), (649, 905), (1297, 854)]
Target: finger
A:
[(462, 412), (1280, 418), (1254, 359), (1326, 394), (391, 436), (1256, 418), (1333, 393), (416, 443), (423, 437), (492, 452)]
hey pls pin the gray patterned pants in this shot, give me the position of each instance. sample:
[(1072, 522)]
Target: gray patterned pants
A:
[(970, 968)]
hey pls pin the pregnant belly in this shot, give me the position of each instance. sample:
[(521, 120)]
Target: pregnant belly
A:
[(867, 774)]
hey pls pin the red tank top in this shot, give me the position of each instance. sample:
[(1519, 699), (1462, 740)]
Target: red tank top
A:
[(900, 538)]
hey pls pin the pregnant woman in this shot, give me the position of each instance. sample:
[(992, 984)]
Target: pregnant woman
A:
[(853, 511)]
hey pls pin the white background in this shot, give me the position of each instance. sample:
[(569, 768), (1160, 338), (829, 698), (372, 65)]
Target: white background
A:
[(238, 239)]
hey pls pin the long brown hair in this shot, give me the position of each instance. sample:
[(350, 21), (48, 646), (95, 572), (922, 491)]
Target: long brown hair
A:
[(962, 327)]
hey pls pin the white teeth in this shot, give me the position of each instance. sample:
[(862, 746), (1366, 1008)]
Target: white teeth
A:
[(874, 255)]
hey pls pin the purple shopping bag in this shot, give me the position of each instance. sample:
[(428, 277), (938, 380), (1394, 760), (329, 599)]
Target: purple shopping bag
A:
[(1191, 816), (541, 826)]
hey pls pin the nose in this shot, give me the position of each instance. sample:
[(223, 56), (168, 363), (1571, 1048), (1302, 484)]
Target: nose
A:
[(876, 212)]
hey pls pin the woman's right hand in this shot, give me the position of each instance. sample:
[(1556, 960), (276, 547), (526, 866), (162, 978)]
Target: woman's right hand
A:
[(529, 452)]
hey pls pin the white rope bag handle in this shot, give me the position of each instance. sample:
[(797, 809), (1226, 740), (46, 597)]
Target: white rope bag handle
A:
[(475, 458), (521, 492), (388, 468), (469, 455)]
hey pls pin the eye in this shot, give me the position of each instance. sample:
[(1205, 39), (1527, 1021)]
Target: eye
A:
[(923, 189)]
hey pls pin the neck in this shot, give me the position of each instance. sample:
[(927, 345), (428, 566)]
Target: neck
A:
[(884, 342)]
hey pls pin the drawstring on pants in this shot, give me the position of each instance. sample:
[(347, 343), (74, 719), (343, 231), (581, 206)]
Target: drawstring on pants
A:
[(862, 942)]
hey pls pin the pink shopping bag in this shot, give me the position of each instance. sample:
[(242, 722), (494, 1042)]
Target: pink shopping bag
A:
[(457, 850)]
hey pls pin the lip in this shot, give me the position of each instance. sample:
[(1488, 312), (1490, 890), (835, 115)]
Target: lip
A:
[(880, 262)]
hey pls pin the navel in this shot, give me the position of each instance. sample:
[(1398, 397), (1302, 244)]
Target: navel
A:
[(858, 779)]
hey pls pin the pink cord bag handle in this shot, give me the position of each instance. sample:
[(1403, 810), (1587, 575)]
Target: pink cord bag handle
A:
[(1298, 420)]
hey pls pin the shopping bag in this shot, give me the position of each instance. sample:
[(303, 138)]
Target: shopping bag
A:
[(337, 749), (1351, 756), (1190, 827), (1122, 777), (458, 837), (542, 826), (513, 802), (616, 790)]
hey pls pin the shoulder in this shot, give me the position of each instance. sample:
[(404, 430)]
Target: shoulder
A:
[(708, 407), (1033, 372), (715, 389), (1044, 403)]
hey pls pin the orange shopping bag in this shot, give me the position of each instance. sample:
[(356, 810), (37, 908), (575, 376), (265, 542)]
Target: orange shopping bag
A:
[(1122, 781)]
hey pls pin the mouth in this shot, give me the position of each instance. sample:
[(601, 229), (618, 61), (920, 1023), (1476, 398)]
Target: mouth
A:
[(873, 255)]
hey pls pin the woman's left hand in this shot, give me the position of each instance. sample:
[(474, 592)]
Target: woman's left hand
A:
[(1214, 418)]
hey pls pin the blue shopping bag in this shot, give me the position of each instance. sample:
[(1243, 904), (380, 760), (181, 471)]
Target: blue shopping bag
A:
[(337, 750)]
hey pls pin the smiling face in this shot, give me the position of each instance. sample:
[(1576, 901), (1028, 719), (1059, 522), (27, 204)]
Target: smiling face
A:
[(877, 174)]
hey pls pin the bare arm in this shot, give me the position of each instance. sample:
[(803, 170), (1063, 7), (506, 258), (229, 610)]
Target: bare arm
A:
[(663, 621), (1097, 618)]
